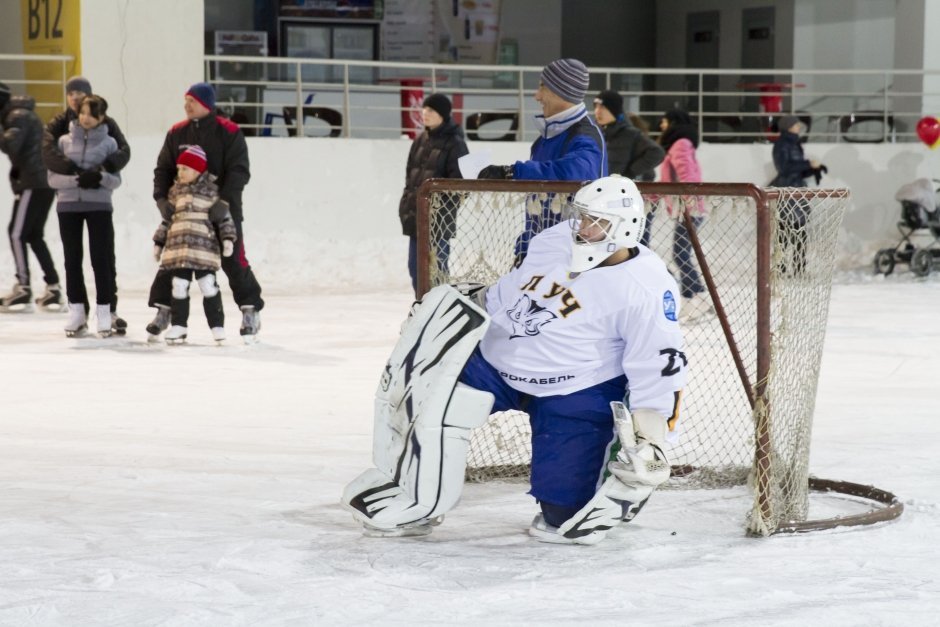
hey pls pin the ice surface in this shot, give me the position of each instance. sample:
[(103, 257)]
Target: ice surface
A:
[(199, 485)]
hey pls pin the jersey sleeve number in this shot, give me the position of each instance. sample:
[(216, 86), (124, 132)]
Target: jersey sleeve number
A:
[(674, 356)]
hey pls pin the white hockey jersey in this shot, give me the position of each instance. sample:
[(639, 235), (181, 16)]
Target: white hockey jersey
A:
[(552, 333)]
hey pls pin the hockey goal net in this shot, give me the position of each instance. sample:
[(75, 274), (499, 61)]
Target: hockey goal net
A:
[(766, 256)]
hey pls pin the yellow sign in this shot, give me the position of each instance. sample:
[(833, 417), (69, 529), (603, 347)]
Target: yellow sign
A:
[(50, 27)]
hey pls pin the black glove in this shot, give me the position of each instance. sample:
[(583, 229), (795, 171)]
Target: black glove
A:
[(89, 180), (496, 172), (109, 166), (818, 172), (166, 208)]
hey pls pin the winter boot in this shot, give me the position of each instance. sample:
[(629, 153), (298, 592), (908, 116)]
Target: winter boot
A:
[(19, 295), (160, 322), (103, 314), (251, 324), (51, 298), (77, 324)]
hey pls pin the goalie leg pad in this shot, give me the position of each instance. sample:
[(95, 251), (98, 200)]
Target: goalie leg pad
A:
[(431, 476), (422, 418), (639, 469)]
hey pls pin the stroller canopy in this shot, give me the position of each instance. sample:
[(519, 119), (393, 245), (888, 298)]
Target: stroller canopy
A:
[(921, 192)]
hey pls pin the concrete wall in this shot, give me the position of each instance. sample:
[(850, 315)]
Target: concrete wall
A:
[(628, 39), (671, 22), (323, 213), (11, 42), (142, 56), (536, 25)]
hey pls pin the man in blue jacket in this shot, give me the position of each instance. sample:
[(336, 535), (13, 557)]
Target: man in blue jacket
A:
[(570, 147)]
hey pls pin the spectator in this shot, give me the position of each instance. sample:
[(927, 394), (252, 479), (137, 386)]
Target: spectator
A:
[(76, 89), (433, 154), (196, 228), (85, 198), (792, 170), (630, 151), (570, 147), (227, 160), (679, 139), (21, 140)]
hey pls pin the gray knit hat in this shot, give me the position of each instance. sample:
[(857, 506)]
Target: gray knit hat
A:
[(78, 83), (567, 79), (786, 122)]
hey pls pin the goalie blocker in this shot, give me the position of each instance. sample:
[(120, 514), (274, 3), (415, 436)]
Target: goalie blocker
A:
[(423, 419)]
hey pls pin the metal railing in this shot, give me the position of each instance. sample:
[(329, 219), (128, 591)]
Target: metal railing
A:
[(378, 99), (51, 91), (375, 99)]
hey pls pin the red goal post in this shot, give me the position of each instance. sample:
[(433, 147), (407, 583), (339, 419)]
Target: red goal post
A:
[(767, 258)]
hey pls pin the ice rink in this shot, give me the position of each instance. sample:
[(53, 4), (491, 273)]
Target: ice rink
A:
[(142, 484)]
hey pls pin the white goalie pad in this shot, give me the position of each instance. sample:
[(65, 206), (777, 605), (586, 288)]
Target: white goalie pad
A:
[(640, 468), (423, 417)]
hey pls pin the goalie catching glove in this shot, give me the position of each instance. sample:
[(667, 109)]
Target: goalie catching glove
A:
[(639, 468)]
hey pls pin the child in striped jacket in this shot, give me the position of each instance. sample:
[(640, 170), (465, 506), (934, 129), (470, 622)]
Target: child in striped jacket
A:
[(196, 228)]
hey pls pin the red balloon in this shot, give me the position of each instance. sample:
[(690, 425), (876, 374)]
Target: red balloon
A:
[(928, 129)]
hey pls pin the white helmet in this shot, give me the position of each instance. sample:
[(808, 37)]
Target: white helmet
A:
[(614, 207)]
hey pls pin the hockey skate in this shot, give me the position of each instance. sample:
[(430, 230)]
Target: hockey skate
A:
[(544, 532), (251, 324), (51, 299), (118, 324), (18, 300), (103, 316), (77, 324), (159, 324), (218, 334), (416, 529), (176, 335)]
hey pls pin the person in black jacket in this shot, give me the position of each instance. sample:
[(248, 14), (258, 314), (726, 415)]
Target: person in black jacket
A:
[(227, 160), (793, 168), (76, 89), (630, 152), (21, 140), (433, 154)]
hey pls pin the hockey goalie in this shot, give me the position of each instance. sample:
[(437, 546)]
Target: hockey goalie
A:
[(583, 336)]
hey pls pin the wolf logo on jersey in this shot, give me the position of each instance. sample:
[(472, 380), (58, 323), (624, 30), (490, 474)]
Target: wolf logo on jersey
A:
[(528, 317)]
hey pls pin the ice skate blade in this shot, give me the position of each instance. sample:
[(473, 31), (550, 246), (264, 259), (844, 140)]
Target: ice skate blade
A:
[(80, 332), (104, 334), (152, 339), (543, 532), (176, 341), (18, 308), (415, 531), (250, 339)]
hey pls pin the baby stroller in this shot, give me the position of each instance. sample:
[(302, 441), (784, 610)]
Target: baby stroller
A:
[(919, 211)]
